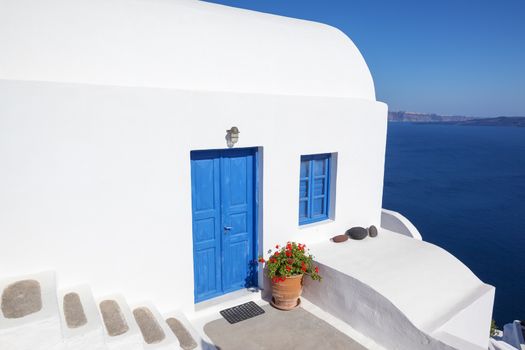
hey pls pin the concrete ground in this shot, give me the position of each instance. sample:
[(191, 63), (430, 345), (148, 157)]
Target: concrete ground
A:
[(275, 330)]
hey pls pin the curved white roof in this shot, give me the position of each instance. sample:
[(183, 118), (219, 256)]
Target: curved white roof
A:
[(183, 44)]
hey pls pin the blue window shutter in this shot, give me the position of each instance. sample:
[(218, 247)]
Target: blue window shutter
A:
[(304, 190), (314, 188)]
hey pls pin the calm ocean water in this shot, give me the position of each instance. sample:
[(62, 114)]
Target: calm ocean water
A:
[(463, 187)]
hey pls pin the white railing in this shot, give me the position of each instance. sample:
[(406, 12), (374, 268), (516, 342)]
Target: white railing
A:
[(500, 345), (513, 335)]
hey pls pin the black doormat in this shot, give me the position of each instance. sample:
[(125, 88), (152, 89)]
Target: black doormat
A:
[(242, 312)]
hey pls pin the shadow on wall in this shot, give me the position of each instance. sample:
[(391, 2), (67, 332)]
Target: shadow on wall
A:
[(395, 222), (251, 279)]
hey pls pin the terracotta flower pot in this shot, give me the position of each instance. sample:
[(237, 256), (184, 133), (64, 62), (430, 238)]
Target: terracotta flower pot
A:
[(285, 294)]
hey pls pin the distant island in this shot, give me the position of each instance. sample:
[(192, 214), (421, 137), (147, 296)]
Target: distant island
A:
[(426, 118)]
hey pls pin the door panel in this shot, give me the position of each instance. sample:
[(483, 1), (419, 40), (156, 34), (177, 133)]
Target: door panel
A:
[(205, 175), (237, 213), (223, 196)]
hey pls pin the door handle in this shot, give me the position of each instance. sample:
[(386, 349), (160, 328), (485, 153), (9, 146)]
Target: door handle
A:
[(227, 228)]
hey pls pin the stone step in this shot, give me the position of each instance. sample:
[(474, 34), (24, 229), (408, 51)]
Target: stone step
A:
[(29, 313), (82, 327), (179, 325), (155, 331), (34, 316), (121, 330)]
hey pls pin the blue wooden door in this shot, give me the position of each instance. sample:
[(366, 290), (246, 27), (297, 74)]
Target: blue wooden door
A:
[(223, 195)]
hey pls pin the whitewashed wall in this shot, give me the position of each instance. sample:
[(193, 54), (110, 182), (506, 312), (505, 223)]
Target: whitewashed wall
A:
[(95, 181)]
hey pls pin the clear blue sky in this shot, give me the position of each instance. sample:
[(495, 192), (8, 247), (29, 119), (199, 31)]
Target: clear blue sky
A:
[(438, 56)]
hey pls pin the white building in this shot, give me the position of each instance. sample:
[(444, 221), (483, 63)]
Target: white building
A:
[(116, 167)]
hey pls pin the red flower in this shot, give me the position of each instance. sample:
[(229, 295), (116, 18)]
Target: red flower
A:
[(277, 279), (303, 266), (295, 259)]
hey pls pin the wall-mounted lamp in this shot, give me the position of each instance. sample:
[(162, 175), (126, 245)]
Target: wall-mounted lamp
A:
[(232, 136)]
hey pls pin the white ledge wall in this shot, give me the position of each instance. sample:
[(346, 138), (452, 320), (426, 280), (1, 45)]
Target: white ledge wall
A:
[(95, 180), (368, 311), (185, 44), (404, 293), (395, 222)]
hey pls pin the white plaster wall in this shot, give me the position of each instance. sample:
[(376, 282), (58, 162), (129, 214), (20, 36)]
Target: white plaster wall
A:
[(95, 180), (186, 44)]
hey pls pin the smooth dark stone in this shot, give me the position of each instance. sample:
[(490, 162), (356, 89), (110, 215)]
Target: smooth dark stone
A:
[(357, 233), (340, 238), (372, 231)]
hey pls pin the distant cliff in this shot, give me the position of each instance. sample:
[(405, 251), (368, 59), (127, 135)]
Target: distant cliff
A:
[(426, 118), (499, 121)]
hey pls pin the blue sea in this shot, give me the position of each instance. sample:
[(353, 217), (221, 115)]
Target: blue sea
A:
[(463, 187)]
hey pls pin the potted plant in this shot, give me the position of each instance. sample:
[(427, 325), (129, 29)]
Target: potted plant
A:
[(286, 268)]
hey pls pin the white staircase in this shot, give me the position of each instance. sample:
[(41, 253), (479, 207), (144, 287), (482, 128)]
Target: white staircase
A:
[(122, 332), (157, 335), (35, 316), (88, 335)]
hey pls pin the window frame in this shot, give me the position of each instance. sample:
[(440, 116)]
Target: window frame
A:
[(310, 178)]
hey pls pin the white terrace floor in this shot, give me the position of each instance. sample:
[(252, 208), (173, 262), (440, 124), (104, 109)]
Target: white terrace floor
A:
[(421, 279), (393, 288), (406, 291), (209, 312)]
